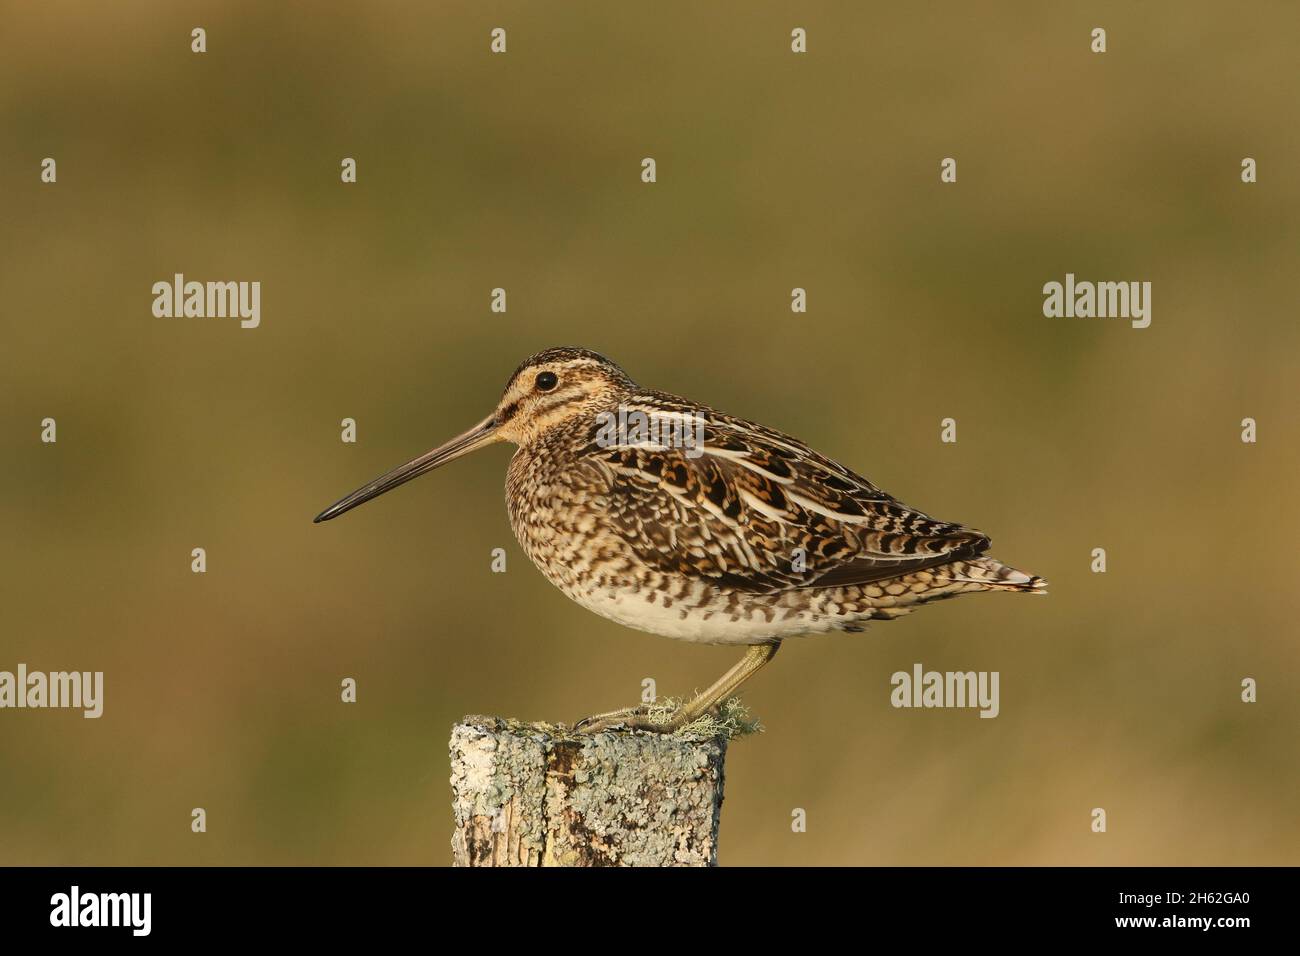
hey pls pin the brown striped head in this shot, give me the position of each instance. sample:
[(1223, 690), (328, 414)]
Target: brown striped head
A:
[(552, 387)]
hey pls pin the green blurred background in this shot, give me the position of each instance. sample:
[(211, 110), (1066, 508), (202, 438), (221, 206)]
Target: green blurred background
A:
[(1120, 690)]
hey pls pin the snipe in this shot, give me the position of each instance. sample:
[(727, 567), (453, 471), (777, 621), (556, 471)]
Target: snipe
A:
[(670, 517)]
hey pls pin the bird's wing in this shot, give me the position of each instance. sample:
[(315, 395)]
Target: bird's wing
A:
[(760, 511)]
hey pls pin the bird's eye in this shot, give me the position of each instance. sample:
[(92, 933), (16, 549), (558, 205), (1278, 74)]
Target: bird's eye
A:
[(546, 381)]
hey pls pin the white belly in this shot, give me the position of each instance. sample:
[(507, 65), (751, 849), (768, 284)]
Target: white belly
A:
[(686, 623)]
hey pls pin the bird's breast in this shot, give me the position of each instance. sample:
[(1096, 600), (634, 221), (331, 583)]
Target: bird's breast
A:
[(558, 518)]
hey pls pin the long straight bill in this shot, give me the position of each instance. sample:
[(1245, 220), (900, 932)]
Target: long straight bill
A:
[(484, 433)]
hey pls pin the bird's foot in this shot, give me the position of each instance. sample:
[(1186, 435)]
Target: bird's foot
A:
[(613, 718), (629, 718)]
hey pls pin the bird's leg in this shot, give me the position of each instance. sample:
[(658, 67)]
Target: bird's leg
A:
[(635, 719), (755, 658)]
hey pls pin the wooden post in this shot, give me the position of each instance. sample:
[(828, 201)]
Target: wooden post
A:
[(536, 795)]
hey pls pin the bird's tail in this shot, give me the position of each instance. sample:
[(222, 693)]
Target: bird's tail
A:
[(991, 574), (964, 576)]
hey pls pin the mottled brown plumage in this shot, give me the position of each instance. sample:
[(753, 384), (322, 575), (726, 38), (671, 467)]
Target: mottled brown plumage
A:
[(671, 517)]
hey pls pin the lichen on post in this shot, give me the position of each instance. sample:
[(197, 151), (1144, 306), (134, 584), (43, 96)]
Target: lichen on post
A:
[(539, 795)]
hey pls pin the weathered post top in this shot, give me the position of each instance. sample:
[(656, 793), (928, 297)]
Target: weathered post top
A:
[(539, 795)]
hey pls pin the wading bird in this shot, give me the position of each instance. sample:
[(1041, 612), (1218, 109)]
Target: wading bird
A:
[(670, 517)]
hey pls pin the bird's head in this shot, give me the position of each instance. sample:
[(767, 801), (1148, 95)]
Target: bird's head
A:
[(548, 389), (553, 387)]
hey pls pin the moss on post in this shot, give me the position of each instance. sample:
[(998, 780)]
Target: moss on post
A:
[(538, 795)]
